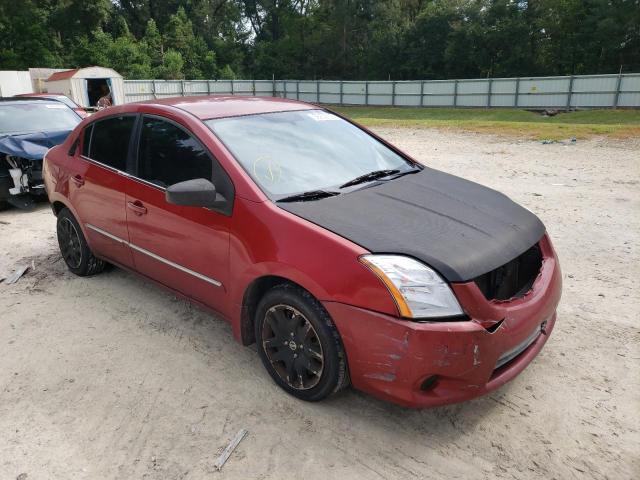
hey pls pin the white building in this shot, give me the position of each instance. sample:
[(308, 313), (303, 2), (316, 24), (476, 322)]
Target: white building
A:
[(86, 85), (14, 83)]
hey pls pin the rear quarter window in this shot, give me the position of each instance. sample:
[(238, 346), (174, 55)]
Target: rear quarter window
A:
[(86, 140)]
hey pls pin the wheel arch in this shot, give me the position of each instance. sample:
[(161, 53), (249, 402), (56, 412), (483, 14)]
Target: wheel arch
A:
[(252, 295), (59, 203), (57, 207)]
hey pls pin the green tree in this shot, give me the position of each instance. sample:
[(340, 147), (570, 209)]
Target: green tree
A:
[(153, 43), (172, 66), (73, 18), (27, 40), (124, 54), (349, 39), (179, 36), (93, 49), (227, 73)]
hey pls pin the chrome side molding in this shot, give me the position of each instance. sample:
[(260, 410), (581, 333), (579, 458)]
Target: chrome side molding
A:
[(210, 280)]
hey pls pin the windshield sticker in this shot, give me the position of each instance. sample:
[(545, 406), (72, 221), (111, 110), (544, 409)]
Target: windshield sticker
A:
[(267, 169), (320, 116), (55, 106)]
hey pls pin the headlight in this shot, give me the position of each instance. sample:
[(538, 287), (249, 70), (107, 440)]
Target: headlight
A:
[(418, 291)]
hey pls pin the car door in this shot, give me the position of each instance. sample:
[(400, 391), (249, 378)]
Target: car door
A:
[(185, 248), (97, 186)]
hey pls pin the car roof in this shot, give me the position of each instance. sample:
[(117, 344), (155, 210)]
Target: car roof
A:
[(19, 100), (40, 95), (220, 106)]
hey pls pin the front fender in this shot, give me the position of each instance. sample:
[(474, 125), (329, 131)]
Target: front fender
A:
[(268, 241)]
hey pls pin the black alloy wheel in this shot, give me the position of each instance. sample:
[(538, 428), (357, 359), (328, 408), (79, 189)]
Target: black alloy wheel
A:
[(293, 347), (69, 242), (299, 345), (74, 248)]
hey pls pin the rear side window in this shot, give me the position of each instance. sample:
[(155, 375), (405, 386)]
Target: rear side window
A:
[(168, 155), (110, 141)]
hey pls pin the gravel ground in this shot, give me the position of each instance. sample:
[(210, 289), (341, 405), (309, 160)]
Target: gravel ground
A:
[(111, 377)]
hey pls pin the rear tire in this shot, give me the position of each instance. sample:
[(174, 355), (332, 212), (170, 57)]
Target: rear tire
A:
[(74, 248), (299, 345)]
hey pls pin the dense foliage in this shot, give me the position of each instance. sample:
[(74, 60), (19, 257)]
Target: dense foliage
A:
[(348, 39)]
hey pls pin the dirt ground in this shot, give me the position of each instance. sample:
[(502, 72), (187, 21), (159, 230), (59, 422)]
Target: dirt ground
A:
[(111, 378)]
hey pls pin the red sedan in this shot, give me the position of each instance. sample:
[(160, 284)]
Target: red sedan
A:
[(346, 261)]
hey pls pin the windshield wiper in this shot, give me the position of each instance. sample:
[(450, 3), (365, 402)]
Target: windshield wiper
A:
[(308, 196), (368, 177)]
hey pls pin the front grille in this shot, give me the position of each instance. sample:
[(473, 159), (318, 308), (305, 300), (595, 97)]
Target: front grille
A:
[(513, 279)]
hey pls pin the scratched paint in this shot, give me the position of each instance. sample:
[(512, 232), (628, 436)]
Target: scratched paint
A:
[(476, 355), (385, 377)]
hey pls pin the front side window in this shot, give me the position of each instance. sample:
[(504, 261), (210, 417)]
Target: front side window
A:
[(109, 142), (168, 155), (291, 152)]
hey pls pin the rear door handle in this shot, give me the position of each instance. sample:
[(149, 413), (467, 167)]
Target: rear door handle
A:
[(137, 207), (78, 180)]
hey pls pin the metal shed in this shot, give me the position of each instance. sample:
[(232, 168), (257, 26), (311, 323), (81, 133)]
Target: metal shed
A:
[(86, 85)]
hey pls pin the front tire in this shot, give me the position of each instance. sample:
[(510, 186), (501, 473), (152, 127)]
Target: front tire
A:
[(299, 345), (74, 248)]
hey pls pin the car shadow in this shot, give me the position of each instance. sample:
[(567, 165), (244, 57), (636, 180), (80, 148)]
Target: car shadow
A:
[(211, 337), (33, 205), (130, 300)]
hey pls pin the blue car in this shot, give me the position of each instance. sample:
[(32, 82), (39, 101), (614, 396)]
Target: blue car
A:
[(28, 128)]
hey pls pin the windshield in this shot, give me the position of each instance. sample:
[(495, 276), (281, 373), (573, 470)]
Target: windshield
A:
[(293, 152), (37, 116)]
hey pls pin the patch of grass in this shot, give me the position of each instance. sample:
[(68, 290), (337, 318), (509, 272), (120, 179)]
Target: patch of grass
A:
[(522, 123)]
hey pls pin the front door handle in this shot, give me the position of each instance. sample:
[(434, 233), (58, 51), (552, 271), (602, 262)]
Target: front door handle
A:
[(137, 207), (78, 180)]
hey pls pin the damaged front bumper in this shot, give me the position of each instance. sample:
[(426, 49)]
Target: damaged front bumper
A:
[(20, 179), (21, 160), (425, 364)]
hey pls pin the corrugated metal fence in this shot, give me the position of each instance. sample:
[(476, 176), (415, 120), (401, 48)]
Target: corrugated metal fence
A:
[(579, 91)]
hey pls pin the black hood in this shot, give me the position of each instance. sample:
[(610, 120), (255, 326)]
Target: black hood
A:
[(458, 227)]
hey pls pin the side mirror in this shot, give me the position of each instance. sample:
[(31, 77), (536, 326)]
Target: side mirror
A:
[(193, 193)]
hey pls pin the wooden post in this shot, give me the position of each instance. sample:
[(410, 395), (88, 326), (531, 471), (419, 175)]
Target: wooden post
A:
[(393, 94), (317, 91), (517, 99), (366, 92), (341, 92), (422, 93), (297, 89), (489, 93), (153, 89)]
